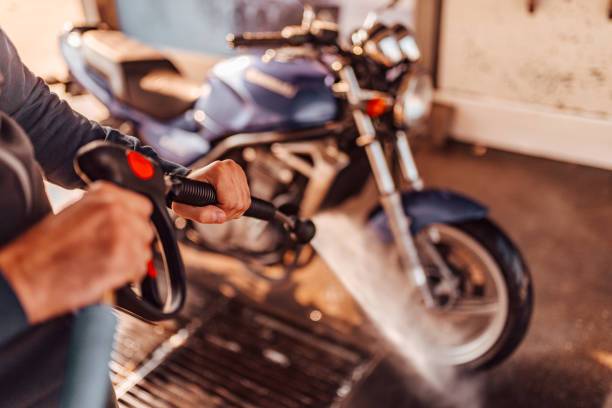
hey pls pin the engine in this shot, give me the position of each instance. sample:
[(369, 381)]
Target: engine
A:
[(296, 176)]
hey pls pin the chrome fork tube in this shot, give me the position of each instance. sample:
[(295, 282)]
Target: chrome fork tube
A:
[(406, 159), (391, 201)]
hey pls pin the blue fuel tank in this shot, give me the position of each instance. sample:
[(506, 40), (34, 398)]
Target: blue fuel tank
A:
[(251, 93)]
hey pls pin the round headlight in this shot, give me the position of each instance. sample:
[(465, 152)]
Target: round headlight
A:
[(414, 100), (407, 43), (382, 46)]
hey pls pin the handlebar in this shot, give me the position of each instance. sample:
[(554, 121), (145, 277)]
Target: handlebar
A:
[(268, 39), (318, 33)]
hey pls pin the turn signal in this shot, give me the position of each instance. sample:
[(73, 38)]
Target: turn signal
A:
[(376, 107)]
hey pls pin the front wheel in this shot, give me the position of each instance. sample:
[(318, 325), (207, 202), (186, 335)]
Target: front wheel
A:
[(489, 300)]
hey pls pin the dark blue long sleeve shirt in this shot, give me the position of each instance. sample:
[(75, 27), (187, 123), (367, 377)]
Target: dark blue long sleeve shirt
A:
[(56, 132)]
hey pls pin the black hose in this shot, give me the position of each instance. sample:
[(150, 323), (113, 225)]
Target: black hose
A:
[(200, 194), (274, 39)]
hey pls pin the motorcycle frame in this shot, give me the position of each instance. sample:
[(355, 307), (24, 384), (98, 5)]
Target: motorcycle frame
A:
[(321, 173), (286, 145)]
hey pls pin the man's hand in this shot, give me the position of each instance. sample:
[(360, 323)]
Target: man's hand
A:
[(70, 260), (232, 192)]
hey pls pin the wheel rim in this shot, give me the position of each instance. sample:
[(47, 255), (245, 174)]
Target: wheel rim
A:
[(475, 322)]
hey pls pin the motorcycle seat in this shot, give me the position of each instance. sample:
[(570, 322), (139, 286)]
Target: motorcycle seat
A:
[(138, 75)]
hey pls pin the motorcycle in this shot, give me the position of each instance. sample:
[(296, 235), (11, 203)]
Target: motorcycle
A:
[(310, 118)]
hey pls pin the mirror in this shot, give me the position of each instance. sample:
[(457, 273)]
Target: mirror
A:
[(308, 17), (373, 16), (390, 5)]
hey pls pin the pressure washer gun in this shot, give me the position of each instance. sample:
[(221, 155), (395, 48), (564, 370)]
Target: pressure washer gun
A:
[(159, 296)]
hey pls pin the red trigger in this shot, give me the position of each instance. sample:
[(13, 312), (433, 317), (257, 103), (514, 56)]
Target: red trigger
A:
[(151, 271), (140, 165)]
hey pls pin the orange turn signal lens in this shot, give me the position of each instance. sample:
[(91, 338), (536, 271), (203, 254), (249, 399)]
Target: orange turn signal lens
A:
[(376, 107)]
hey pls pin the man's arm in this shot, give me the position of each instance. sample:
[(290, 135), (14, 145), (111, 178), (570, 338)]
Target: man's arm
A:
[(56, 131)]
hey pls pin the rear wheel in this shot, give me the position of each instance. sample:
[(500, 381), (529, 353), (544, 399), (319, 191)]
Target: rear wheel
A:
[(483, 289)]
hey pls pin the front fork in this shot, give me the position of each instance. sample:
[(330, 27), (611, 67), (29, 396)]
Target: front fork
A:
[(390, 196), (391, 201)]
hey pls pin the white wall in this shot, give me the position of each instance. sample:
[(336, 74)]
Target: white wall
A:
[(34, 27), (536, 83), (560, 57), (354, 12)]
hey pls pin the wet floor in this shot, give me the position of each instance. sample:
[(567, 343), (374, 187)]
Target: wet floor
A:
[(561, 217)]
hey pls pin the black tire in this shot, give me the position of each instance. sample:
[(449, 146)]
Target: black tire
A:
[(519, 289)]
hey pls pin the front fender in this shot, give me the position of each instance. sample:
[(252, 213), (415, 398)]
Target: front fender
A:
[(429, 207)]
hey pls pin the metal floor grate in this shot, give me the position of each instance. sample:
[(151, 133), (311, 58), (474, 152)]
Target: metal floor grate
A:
[(235, 355), (135, 342)]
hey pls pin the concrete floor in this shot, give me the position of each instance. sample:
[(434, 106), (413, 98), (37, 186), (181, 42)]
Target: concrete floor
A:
[(560, 215)]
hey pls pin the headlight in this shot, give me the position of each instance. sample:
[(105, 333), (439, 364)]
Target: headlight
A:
[(414, 100), (382, 46), (407, 43)]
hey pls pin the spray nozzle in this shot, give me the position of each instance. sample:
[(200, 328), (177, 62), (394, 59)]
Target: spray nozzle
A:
[(304, 231)]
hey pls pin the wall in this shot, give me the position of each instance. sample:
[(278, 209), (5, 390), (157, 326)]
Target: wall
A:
[(354, 12), (561, 56), (536, 83), (198, 25), (194, 25), (34, 27)]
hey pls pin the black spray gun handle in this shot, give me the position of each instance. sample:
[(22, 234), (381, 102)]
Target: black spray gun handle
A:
[(101, 161)]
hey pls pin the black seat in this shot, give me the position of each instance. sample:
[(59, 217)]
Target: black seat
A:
[(139, 75)]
